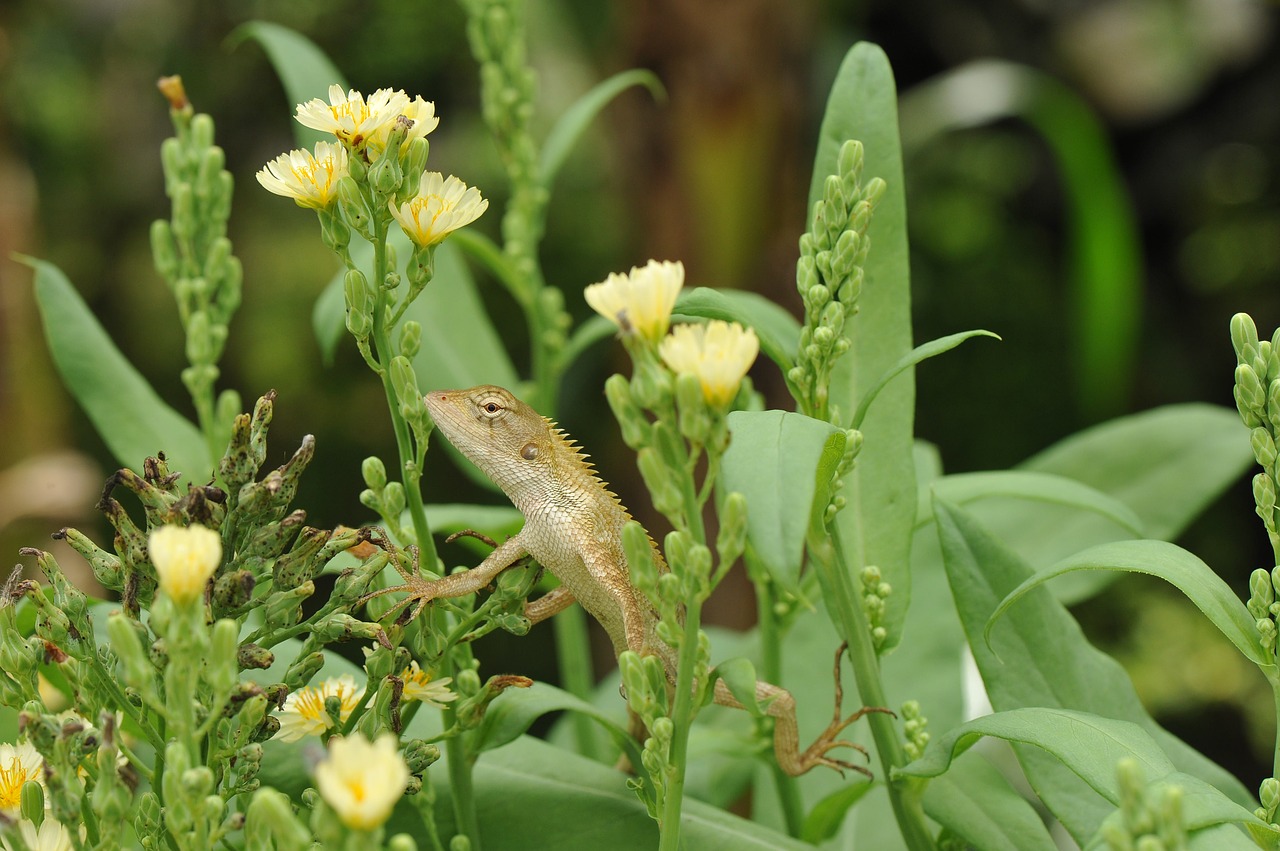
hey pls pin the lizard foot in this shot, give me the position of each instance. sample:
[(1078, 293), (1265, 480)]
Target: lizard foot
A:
[(816, 754), (420, 591)]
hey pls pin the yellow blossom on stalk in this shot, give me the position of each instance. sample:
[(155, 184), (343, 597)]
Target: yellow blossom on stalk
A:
[(185, 558), (311, 180), (303, 713), (350, 117), (641, 301), (719, 353), (423, 115), (362, 780), (441, 206), (52, 835), (418, 685), (18, 764)]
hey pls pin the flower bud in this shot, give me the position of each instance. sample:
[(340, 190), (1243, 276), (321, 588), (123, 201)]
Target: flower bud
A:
[(410, 339), (302, 670), (631, 420), (1251, 387), (1244, 336), (352, 204), (732, 538), (694, 417), (251, 656)]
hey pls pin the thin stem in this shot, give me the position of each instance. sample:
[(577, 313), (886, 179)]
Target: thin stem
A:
[(573, 653), (1274, 679), (837, 589), (682, 720), (771, 668)]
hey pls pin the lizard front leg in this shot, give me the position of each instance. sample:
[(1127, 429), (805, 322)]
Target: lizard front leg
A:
[(781, 706), (423, 591)]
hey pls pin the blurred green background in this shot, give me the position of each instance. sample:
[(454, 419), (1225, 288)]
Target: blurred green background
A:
[(1184, 94)]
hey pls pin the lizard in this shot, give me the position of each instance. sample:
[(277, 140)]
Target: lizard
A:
[(573, 528)]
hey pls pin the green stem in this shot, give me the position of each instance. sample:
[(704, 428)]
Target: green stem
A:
[(573, 653), (1274, 679), (459, 764), (681, 720), (837, 588), (771, 668)]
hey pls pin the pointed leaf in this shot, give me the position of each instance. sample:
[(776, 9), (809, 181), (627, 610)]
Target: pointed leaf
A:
[(740, 676), (876, 526), (130, 417), (304, 69), (1179, 568), (575, 120), (778, 330), (965, 488), (1040, 658), (922, 352), (827, 815), (777, 459), (975, 801)]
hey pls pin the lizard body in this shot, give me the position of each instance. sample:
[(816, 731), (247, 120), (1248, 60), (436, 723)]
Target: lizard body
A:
[(573, 528)]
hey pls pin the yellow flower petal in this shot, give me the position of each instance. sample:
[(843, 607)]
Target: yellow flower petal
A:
[(361, 780), (52, 835), (311, 180), (185, 558), (418, 685), (441, 206), (641, 301), (350, 117), (303, 713), (18, 763), (719, 353), (423, 115)]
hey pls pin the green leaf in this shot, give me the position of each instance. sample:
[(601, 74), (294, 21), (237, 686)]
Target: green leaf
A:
[(304, 70), (740, 676), (130, 417), (876, 525), (778, 330), (1167, 464), (1040, 658), (920, 353), (328, 315), (975, 802), (1105, 253), (1090, 746), (575, 120), (827, 815), (964, 488), (460, 347), (1172, 563), (512, 712), (777, 459)]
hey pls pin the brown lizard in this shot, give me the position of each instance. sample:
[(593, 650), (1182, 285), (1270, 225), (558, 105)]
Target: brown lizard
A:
[(573, 528)]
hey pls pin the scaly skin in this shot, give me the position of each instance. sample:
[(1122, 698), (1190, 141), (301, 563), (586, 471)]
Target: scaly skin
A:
[(573, 528)]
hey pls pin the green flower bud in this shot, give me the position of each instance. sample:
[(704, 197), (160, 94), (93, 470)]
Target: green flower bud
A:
[(252, 656), (343, 627), (732, 537), (874, 191), (659, 480), (694, 416), (31, 801), (631, 420), (420, 755), (232, 591), (374, 473), (270, 822), (415, 163), (164, 255), (107, 567), (1247, 413), (849, 160), (284, 608), (302, 670), (393, 499), (1244, 336), (639, 551), (222, 664), (410, 339), (1273, 404), (405, 382), (1264, 492), (1251, 387), (301, 563), (352, 204), (360, 304)]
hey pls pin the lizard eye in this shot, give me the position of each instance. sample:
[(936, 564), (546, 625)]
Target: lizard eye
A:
[(529, 451), (492, 407)]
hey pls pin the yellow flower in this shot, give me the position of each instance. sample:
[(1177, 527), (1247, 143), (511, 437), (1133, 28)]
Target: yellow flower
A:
[(423, 115), (361, 780), (441, 206), (52, 835), (350, 117), (311, 180), (303, 713), (719, 353), (418, 685), (18, 764), (185, 558), (639, 302)]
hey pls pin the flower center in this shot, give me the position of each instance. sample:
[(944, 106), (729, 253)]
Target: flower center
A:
[(12, 777)]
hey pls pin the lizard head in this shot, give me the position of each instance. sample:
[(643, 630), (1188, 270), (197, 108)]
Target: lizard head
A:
[(508, 440)]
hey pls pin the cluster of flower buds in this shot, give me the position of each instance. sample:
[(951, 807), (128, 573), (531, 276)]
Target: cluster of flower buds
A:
[(874, 593), (1150, 816), (1257, 395), (914, 729), (829, 276), (192, 253)]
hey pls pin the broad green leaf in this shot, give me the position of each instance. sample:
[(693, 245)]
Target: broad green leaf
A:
[(1090, 746), (778, 330), (575, 120), (922, 352), (304, 70), (511, 714), (965, 488), (1206, 813), (1167, 464), (570, 803), (1105, 253), (876, 525), (975, 801), (778, 460), (1172, 563), (131, 418), (460, 346), (1040, 658), (825, 818), (328, 315)]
